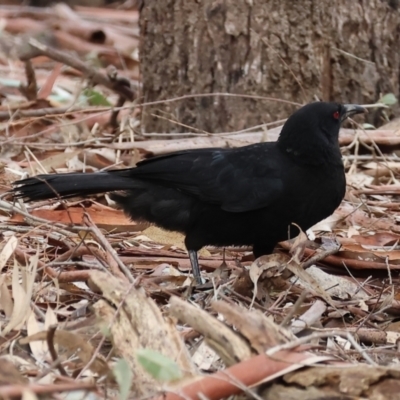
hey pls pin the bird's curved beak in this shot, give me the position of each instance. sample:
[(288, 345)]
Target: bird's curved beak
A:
[(352, 109)]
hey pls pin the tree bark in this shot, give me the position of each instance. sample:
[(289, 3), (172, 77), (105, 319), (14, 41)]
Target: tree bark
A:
[(345, 51)]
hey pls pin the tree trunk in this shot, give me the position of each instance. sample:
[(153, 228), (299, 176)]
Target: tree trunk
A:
[(345, 51)]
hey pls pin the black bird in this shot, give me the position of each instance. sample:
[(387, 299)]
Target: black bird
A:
[(243, 196)]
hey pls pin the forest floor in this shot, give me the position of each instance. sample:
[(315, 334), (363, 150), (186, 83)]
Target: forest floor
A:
[(91, 301)]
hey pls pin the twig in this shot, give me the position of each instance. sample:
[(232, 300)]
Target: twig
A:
[(42, 112), (375, 306), (119, 86), (317, 335), (107, 246), (362, 351), (62, 229), (217, 94), (352, 56), (35, 230), (309, 318), (295, 308), (50, 344), (318, 256), (30, 90), (250, 129)]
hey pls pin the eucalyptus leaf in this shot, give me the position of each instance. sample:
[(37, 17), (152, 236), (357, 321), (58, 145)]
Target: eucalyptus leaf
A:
[(123, 376), (95, 98), (368, 126), (159, 366), (389, 99)]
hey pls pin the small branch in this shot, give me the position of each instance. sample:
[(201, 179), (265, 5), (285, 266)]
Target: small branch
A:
[(320, 256), (50, 344), (30, 90), (107, 246), (8, 391), (319, 335), (119, 85), (294, 309)]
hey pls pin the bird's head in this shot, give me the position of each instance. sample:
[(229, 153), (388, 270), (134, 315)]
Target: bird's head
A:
[(311, 133)]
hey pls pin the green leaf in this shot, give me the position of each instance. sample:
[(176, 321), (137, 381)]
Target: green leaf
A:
[(123, 376), (368, 126), (389, 99), (105, 330), (95, 98), (158, 366)]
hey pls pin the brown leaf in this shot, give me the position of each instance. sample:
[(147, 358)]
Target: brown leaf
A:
[(9, 373), (299, 245), (104, 217), (71, 344), (260, 331)]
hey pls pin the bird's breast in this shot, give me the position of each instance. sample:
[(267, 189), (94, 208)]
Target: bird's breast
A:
[(324, 191)]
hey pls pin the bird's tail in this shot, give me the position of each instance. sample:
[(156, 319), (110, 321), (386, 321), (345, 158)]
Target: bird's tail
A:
[(43, 187)]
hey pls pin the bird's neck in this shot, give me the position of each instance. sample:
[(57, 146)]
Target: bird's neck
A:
[(312, 153)]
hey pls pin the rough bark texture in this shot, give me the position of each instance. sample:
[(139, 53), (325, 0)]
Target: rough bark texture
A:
[(294, 50)]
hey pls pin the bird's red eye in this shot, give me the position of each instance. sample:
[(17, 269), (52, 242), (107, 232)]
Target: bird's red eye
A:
[(336, 114)]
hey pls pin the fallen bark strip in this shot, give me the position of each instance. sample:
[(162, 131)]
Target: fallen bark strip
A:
[(238, 378), (347, 136), (9, 391)]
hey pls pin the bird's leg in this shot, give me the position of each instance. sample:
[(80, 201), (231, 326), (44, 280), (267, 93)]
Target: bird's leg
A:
[(195, 266)]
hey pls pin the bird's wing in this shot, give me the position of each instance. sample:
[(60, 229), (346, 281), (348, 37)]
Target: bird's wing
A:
[(238, 180)]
